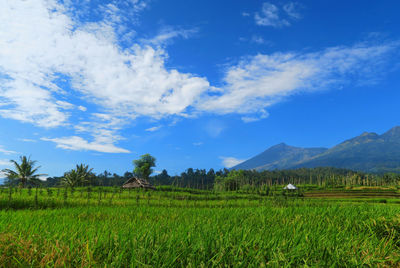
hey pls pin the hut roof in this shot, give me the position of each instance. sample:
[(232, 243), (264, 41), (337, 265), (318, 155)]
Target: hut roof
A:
[(135, 182), (290, 187)]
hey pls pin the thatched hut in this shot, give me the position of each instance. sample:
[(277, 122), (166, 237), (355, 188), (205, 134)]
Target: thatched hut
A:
[(135, 182)]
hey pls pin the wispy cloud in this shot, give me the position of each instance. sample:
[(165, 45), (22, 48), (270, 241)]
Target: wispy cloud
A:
[(3, 174), (275, 16), (4, 151), (260, 40), (256, 39), (269, 16), (5, 162), (167, 34), (82, 108), (27, 140), (230, 161), (261, 115), (292, 9), (76, 143), (152, 129), (262, 80)]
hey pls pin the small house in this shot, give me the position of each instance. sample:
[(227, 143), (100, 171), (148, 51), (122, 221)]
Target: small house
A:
[(135, 182), (290, 187)]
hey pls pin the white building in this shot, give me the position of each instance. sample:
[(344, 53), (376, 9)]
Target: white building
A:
[(290, 187)]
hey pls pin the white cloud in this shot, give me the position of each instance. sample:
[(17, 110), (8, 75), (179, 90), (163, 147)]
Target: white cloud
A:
[(128, 82), (2, 175), (115, 12), (274, 16), (65, 105), (256, 117), (292, 10), (256, 39), (166, 34), (259, 40), (152, 129), (4, 151), (5, 162), (76, 143), (82, 108), (230, 161), (43, 41), (249, 119), (262, 80), (26, 102), (27, 140), (269, 16), (43, 177)]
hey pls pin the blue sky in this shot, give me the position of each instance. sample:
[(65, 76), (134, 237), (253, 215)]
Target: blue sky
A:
[(202, 84)]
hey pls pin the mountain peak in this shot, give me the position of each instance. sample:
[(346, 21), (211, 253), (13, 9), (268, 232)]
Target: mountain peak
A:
[(367, 152), (280, 145), (368, 134), (363, 138), (392, 133), (278, 157), (394, 130)]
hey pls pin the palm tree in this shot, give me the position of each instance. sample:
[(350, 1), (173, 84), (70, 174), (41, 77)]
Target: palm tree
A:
[(77, 176), (84, 172), (24, 172), (71, 179)]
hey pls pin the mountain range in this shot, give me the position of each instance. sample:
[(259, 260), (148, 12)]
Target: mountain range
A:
[(368, 152)]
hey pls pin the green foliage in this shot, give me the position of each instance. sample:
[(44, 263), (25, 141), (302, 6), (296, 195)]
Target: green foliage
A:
[(324, 177), (231, 182), (199, 229), (78, 176), (85, 173), (25, 172), (143, 166), (71, 179)]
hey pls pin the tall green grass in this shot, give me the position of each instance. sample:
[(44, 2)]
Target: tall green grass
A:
[(178, 229)]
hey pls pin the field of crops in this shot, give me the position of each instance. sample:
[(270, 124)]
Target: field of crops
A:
[(105, 226)]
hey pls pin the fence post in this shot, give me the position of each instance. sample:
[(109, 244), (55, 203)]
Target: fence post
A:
[(9, 195), (36, 197)]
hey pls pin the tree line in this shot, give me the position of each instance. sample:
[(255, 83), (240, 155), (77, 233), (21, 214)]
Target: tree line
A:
[(25, 174)]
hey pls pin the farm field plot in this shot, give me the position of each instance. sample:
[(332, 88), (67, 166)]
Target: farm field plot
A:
[(199, 229), (373, 193)]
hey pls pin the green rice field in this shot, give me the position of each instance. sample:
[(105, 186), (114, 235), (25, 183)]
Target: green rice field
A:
[(107, 227)]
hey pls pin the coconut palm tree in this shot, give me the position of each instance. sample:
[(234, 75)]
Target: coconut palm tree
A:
[(25, 172), (77, 176), (84, 172), (71, 179)]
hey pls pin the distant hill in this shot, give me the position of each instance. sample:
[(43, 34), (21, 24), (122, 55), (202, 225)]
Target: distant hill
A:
[(280, 156), (368, 152)]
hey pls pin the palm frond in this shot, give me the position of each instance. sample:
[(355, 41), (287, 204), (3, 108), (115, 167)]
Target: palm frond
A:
[(24, 171)]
